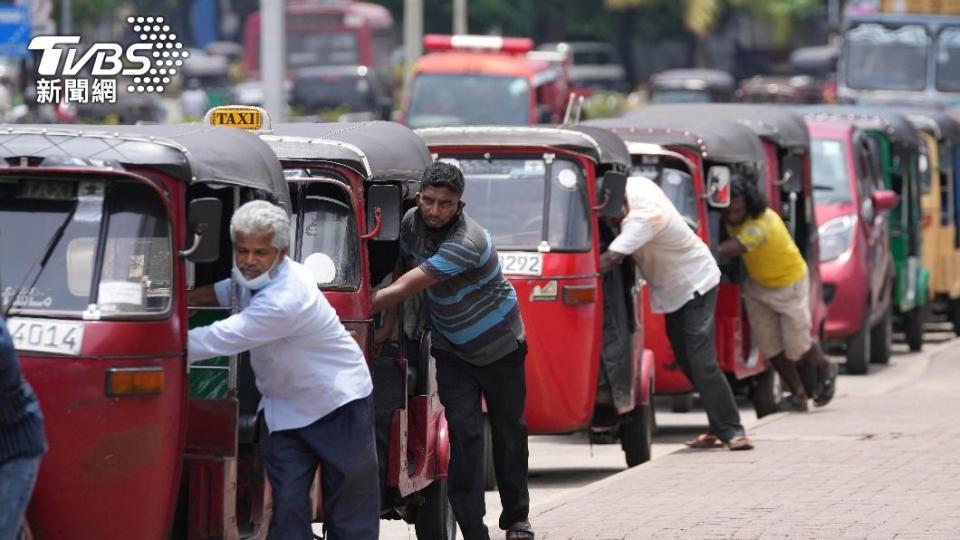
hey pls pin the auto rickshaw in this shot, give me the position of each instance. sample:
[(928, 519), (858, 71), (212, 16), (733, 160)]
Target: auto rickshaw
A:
[(899, 150), (545, 195), (690, 158), (111, 229), (937, 169), (794, 89), (349, 184), (692, 86), (855, 261)]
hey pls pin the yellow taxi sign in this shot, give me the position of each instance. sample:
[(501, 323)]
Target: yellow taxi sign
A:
[(238, 116)]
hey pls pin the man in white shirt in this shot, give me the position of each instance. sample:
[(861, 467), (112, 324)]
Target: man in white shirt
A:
[(682, 276), (317, 392)]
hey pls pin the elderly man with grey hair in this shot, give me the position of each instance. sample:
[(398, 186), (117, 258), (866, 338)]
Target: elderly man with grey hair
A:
[(316, 387)]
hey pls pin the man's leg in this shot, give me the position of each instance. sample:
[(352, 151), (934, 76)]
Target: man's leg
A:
[(504, 386), (17, 477), (345, 445), (291, 467), (460, 396), (694, 326)]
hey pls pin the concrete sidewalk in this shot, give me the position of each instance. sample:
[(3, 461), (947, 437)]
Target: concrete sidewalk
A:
[(883, 462)]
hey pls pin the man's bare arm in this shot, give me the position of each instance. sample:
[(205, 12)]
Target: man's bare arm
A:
[(730, 249), (610, 260), (404, 287)]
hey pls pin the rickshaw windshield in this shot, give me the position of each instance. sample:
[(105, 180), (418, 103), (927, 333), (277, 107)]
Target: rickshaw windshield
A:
[(677, 185), (681, 96), (324, 231), (458, 100), (873, 48), (948, 59), (114, 258), (830, 176), (506, 197)]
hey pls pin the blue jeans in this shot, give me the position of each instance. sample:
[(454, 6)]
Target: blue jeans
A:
[(17, 477)]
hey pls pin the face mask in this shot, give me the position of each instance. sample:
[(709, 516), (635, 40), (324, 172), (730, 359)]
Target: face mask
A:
[(258, 282)]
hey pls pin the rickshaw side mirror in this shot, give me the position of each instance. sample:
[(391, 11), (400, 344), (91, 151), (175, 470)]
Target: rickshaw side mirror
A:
[(884, 200), (718, 186), (611, 192), (383, 213), (203, 230)]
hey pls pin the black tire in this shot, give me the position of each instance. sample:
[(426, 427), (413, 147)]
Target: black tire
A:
[(881, 339), (435, 519), (913, 328), (858, 347), (955, 315), (636, 434), (681, 403), (765, 393), (489, 472)]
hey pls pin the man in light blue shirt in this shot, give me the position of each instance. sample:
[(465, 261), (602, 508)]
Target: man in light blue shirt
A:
[(317, 392)]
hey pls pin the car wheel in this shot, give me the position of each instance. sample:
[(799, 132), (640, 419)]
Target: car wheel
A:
[(858, 347), (435, 519), (881, 339)]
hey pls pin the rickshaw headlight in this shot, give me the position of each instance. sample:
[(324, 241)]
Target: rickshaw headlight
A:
[(574, 295), (836, 237)]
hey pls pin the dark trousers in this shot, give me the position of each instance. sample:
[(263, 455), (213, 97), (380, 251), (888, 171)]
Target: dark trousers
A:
[(502, 384), (342, 444), (691, 331)]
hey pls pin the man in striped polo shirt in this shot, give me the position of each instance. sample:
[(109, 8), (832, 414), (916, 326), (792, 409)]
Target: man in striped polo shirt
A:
[(478, 341)]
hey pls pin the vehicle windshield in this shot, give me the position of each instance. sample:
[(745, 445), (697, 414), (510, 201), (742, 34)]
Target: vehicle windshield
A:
[(308, 49), (681, 96), (882, 58), (445, 100), (948, 60), (506, 197), (831, 181), (326, 228), (676, 184), (116, 235)]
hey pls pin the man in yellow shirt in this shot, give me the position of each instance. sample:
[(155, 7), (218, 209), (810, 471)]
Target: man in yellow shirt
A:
[(777, 292)]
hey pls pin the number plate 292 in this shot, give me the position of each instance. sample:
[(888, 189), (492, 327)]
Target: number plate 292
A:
[(38, 335), (521, 263)]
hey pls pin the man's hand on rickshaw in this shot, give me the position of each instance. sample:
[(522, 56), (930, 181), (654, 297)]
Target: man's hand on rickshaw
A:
[(610, 260)]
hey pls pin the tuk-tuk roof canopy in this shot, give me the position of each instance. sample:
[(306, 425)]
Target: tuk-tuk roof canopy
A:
[(685, 78), (894, 124), (777, 124), (719, 140), (195, 154), (938, 123), (598, 144), (379, 151)]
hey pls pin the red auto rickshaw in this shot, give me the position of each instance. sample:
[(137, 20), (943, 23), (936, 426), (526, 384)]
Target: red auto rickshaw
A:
[(546, 196), (691, 159), (349, 184), (92, 214)]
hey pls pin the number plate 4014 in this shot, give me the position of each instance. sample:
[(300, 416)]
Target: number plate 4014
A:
[(39, 335)]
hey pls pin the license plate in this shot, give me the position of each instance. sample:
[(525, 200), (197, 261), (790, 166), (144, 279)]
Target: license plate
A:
[(38, 335), (521, 263)]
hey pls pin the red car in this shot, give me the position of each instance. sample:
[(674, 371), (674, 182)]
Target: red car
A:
[(854, 247)]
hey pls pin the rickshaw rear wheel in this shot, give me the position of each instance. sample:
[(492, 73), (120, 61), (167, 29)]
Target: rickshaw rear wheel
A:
[(955, 315), (681, 403), (913, 328), (765, 392), (435, 519), (858, 347), (881, 337), (636, 434)]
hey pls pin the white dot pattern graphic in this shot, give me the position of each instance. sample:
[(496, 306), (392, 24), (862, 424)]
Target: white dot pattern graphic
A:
[(166, 52)]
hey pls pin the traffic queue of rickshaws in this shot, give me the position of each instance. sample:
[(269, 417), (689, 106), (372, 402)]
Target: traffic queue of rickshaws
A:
[(869, 195)]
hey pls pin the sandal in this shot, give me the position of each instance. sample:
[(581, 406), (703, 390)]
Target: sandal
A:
[(705, 440), (740, 442), (521, 530), (827, 387)]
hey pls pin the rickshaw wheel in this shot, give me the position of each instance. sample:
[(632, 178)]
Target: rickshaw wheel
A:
[(914, 328), (881, 336), (435, 519), (489, 473), (765, 393), (955, 315), (859, 351), (636, 434), (681, 403)]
